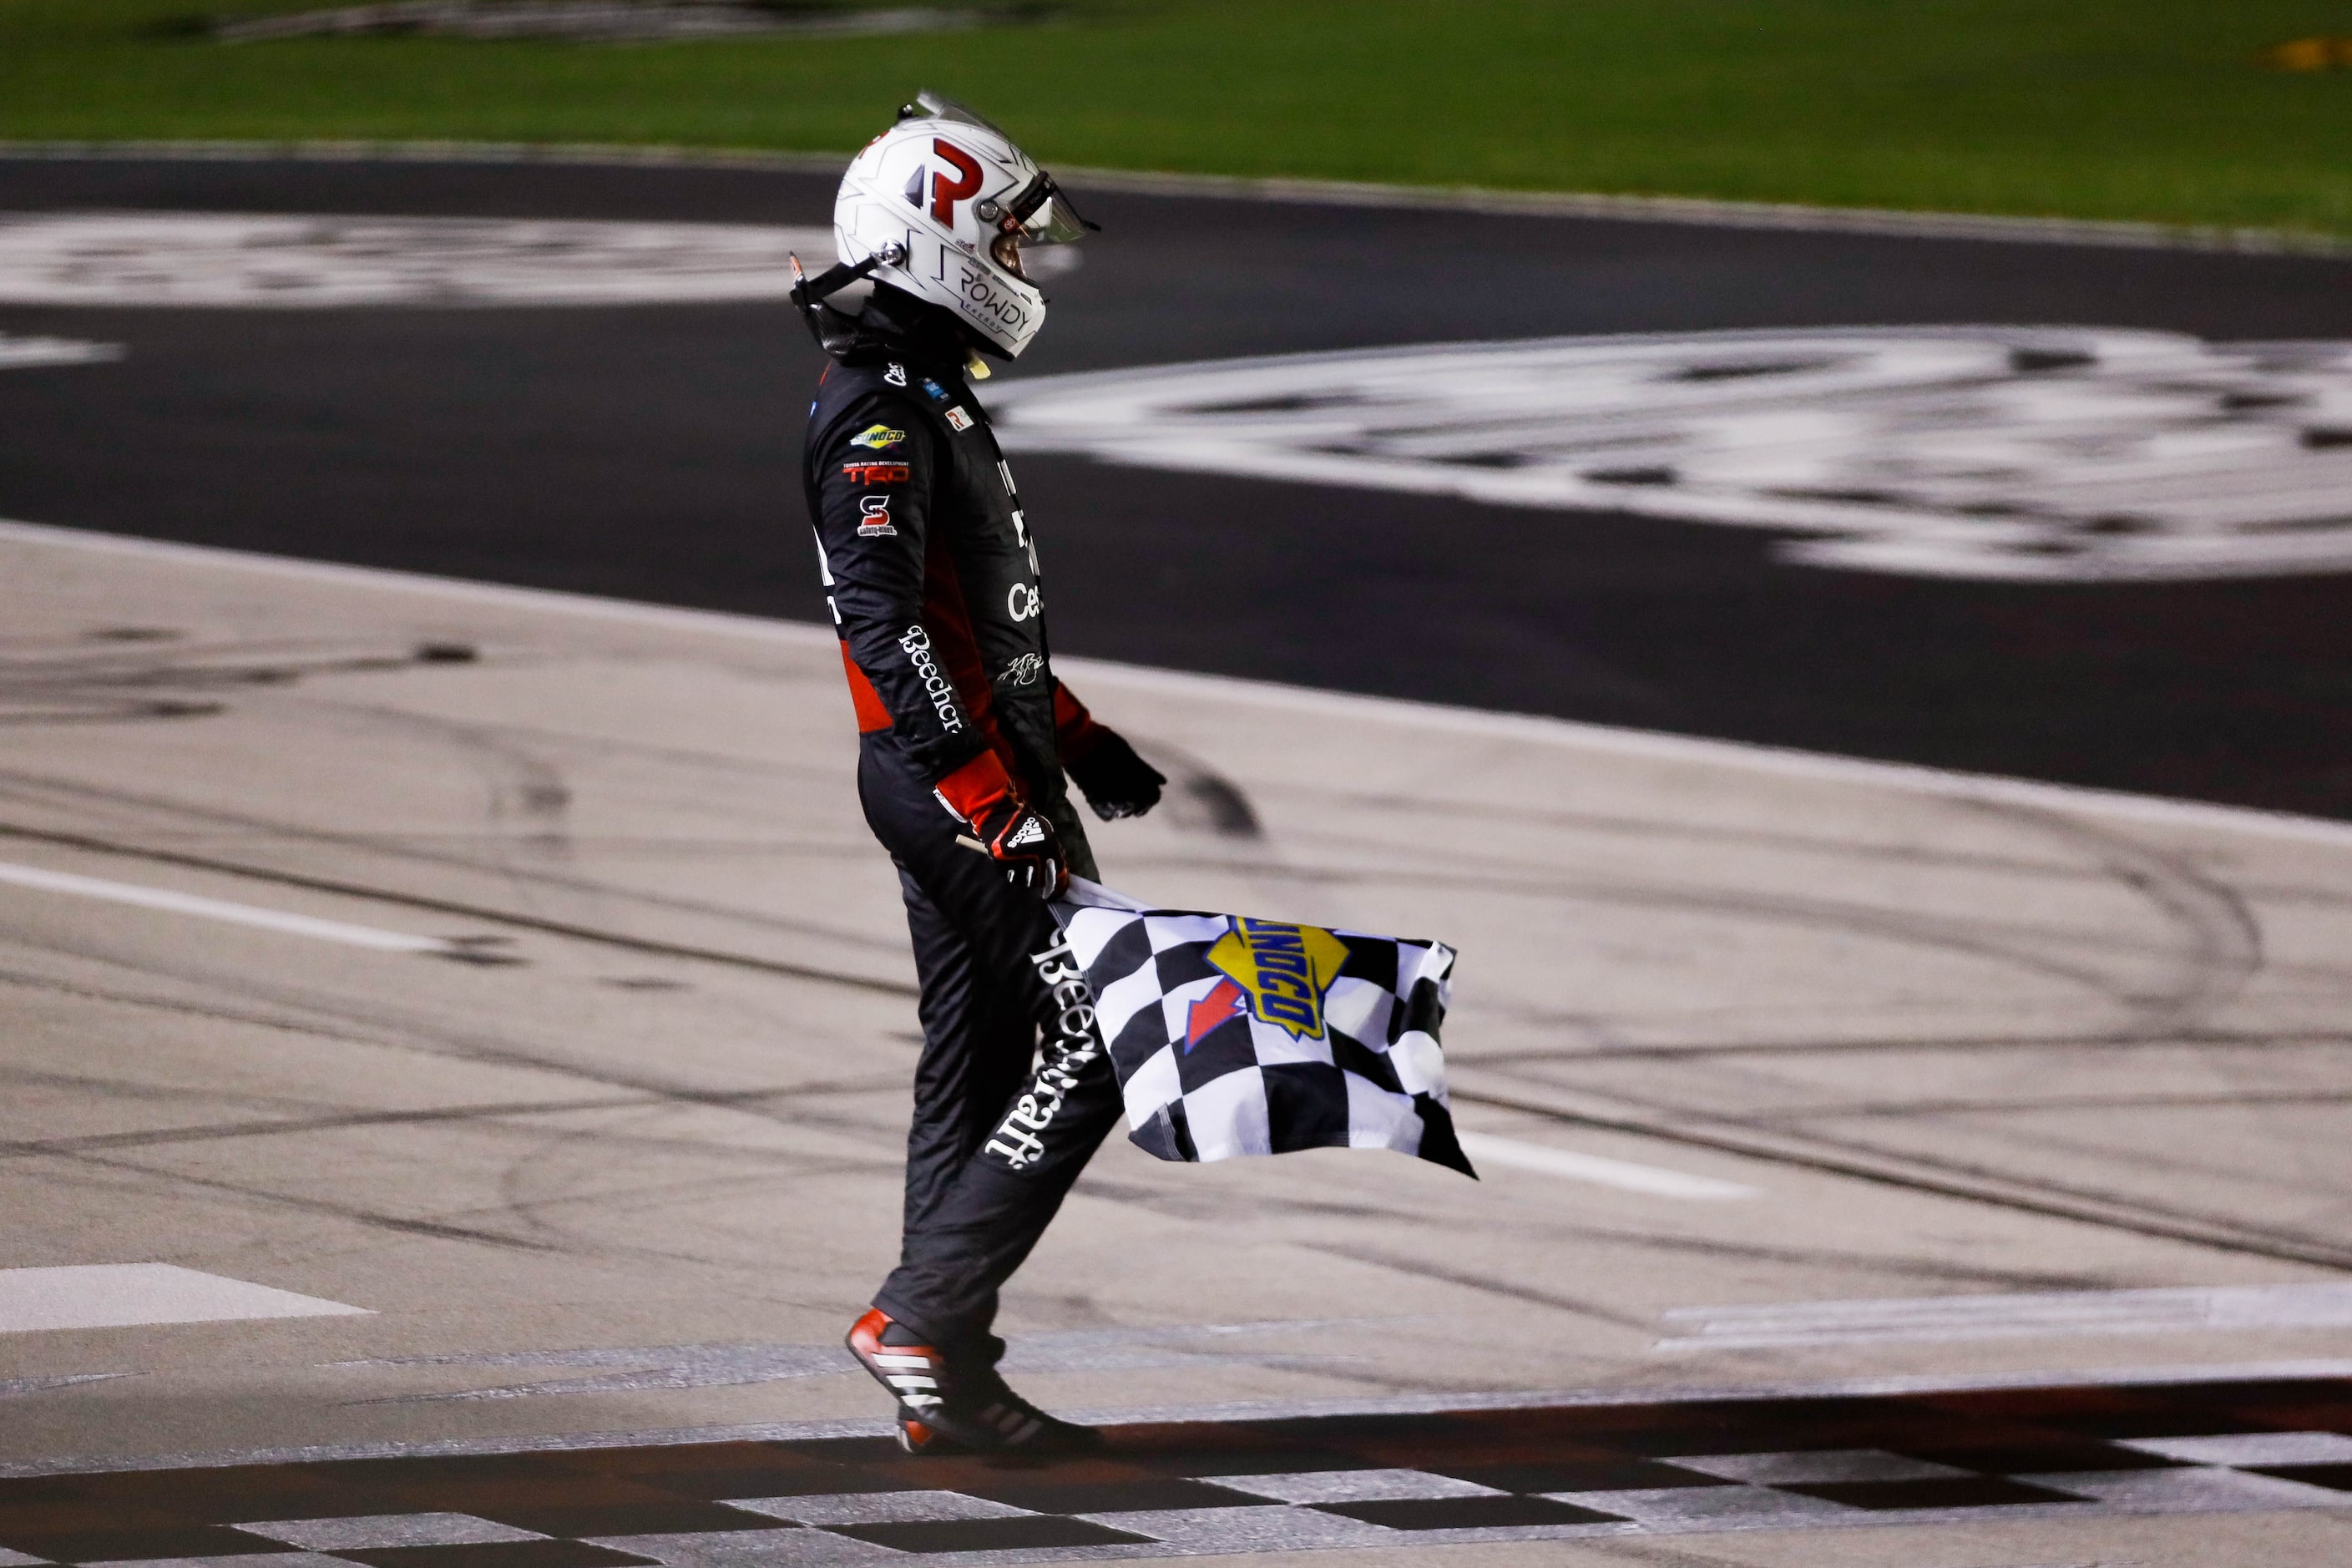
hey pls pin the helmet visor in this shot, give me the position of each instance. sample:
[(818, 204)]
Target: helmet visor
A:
[(948, 109), (1043, 215)]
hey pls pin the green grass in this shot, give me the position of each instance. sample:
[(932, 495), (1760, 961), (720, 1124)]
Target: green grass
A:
[(2111, 109)]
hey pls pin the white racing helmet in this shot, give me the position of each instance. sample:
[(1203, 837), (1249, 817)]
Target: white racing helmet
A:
[(963, 201)]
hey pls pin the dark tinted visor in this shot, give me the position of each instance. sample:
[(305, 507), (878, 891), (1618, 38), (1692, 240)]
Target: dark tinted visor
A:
[(1044, 214)]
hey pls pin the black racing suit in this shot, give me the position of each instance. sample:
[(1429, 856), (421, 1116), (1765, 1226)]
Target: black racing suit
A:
[(932, 575)]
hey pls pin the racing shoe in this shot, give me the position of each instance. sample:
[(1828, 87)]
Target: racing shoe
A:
[(921, 1437), (943, 1409), (986, 1417), (915, 1373)]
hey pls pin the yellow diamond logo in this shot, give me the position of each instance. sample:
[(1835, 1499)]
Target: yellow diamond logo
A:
[(1284, 970)]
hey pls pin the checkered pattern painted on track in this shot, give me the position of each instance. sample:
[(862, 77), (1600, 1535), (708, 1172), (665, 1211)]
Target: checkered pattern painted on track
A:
[(1351, 1483)]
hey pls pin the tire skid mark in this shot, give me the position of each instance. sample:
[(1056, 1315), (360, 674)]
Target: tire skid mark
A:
[(1866, 1109), (1802, 1122), (2204, 1040), (2221, 939), (758, 1102), (1422, 1267), (2170, 1164), (2224, 935), (24, 1148), (121, 680), (2027, 951), (183, 1006), (1845, 1263), (1200, 799), (382, 1025), (2073, 1214), (576, 932), (353, 1214), (1667, 830), (453, 1225), (1923, 1174), (77, 793), (1769, 1124), (577, 747), (2015, 944), (2193, 956), (540, 1214), (2216, 952), (129, 1092), (1212, 1208), (522, 788), (321, 1121)]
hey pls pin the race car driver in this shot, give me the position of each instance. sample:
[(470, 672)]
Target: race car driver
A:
[(964, 735)]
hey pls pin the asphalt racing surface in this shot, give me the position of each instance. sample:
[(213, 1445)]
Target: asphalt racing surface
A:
[(456, 1087), (649, 451)]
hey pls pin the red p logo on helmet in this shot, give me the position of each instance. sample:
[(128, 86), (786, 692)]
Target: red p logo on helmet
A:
[(946, 193)]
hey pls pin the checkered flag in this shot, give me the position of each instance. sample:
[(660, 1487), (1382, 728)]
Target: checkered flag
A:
[(1233, 1035)]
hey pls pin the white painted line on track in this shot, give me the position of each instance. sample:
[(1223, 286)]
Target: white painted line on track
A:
[(125, 1295), (48, 882), (2326, 1304), (1566, 734), (1624, 1174), (11, 1387), (184, 260), (38, 354)]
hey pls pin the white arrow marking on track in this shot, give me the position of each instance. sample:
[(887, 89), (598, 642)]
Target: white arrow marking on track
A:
[(221, 910), (2320, 1304), (1625, 1175)]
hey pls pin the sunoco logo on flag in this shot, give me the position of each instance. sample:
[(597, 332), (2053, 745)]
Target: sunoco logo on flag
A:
[(1279, 972), (1233, 1035)]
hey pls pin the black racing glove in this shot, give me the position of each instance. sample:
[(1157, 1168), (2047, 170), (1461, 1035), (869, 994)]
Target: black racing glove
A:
[(1024, 846), (1116, 782), (980, 795)]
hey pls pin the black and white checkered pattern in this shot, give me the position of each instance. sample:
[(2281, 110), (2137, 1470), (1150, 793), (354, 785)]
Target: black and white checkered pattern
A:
[(1105, 1510), (1937, 1457), (1234, 1035)]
